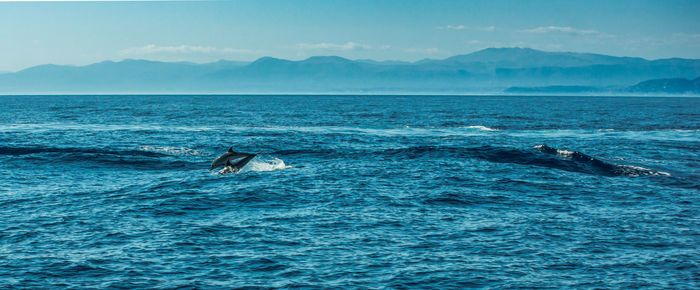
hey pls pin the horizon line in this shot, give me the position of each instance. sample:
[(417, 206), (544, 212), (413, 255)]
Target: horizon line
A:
[(367, 94)]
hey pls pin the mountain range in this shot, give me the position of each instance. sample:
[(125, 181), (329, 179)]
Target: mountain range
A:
[(488, 70), (655, 86)]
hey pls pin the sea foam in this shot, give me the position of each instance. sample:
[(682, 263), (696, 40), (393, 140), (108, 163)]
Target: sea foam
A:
[(174, 150), (479, 127), (259, 164)]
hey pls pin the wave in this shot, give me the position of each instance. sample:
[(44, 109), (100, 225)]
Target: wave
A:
[(99, 157), (456, 126), (651, 135), (405, 130), (479, 127), (175, 150), (43, 150), (60, 126)]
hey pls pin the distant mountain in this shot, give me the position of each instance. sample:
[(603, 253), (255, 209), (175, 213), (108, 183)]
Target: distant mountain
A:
[(555, 90), (669, 86), (659, 86), (384, 62), (488, 70), (528, 58), (125, 76)]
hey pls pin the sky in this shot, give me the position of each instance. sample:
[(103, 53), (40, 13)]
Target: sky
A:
[(80, 33)]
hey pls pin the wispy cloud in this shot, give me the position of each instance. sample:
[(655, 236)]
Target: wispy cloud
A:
[(686, 36), (453, 27), (342, 46), (564, 29), (182, 49), (463, 27), (486, 28)]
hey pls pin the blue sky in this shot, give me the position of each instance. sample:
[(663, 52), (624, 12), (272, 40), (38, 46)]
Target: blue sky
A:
[(79, 33)]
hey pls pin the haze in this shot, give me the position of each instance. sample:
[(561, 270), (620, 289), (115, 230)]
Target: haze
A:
[(80, 33)]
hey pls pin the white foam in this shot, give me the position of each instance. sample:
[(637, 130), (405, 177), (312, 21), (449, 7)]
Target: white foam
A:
[(224, 170), (560, 152), (479, 127), (564, 153), (645, 171), (259, 164), (666, 135), (174, 150)]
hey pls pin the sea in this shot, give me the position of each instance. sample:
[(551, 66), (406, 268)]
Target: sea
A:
[(350, 191)]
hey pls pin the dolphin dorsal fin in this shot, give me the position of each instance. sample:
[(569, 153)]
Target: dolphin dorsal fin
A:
[(228, 163), (230, 149)]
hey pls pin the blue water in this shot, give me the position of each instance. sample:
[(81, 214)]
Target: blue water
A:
[(369, 191)]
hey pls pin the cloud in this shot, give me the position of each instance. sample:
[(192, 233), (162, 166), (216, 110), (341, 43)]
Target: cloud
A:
[(462, 27), (565, 29), (487, 28), (182, 49), (453, 27), (685, 36), (343, 46)]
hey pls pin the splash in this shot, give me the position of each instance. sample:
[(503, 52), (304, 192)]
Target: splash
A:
[(260, 164)]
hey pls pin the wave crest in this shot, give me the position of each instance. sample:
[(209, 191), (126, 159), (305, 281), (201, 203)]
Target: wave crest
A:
[(174, 150), (479, 127)]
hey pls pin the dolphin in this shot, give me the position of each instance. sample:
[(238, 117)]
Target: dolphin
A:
[(226, 157), (238, 166)]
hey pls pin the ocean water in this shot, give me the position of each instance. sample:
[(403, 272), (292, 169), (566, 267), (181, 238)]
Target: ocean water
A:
[(350, 191)]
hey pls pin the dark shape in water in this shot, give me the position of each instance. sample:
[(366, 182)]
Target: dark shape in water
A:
[(238, 166), (224, 159), (580, 162), (572, 161)]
